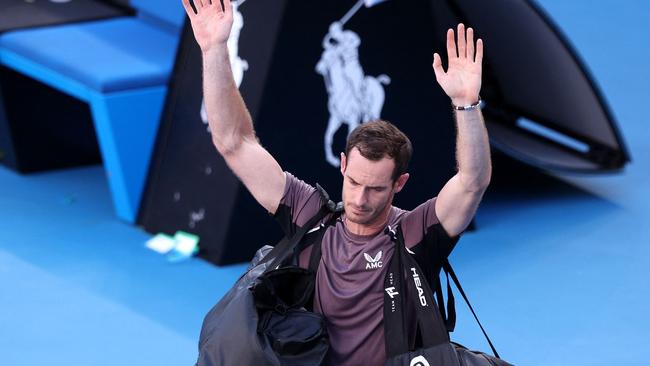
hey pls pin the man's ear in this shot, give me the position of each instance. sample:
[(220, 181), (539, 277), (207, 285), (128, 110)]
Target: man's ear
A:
[(401, 182), (344, 163)]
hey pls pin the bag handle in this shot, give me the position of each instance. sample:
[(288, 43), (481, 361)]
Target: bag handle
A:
[(450, 272), (448, 315)]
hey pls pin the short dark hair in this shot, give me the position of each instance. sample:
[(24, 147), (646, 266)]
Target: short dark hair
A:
[(377, 139)]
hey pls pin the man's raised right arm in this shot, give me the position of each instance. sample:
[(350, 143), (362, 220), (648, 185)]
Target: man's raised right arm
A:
[(232, 128)]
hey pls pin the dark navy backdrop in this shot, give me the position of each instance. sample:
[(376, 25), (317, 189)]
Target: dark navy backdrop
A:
[(191, 189)]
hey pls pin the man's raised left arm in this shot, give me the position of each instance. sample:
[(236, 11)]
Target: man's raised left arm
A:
[(458, 200)]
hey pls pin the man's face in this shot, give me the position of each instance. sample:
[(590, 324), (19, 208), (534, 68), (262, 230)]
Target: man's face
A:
[(368, 187)]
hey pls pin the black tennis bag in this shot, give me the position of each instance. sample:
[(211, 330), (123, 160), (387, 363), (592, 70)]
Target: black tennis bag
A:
[(407, 290), (262, 320)]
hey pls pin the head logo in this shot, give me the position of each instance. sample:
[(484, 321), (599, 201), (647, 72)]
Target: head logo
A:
[(418, 285), (419, 361), (373, 263)]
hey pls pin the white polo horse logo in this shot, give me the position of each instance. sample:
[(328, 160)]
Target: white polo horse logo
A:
[(354, 98), (237, 64)]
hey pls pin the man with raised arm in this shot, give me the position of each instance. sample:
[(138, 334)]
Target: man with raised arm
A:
[(350, 277)]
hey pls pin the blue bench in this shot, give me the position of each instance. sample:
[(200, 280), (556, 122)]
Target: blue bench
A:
[(121, 68)]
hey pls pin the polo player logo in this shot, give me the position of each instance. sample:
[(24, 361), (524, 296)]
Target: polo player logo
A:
[(373, 263), (237, 64), (354, 98), (419, 361)]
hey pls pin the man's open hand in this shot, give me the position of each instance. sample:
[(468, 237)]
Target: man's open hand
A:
[(462, 81), (211, 23)]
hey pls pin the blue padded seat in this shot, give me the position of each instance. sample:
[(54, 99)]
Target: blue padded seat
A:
[(107, 56), (121, 68)]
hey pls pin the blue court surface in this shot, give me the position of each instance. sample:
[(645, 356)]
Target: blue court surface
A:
[(558, 269)]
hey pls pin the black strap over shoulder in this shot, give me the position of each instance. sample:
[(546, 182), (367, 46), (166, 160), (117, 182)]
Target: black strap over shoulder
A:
[(408, 263), (290, 245), (317, 249), (406, 283), (333, 206), (448, 314), (450, 272), (337, 210), (286, 246)]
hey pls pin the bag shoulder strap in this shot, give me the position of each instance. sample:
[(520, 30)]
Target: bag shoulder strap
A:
[(406, 287), (286, 246), (450, 272), (337, 210), (317, 249)]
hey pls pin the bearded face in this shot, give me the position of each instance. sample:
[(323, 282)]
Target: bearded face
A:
[(368, 188)]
